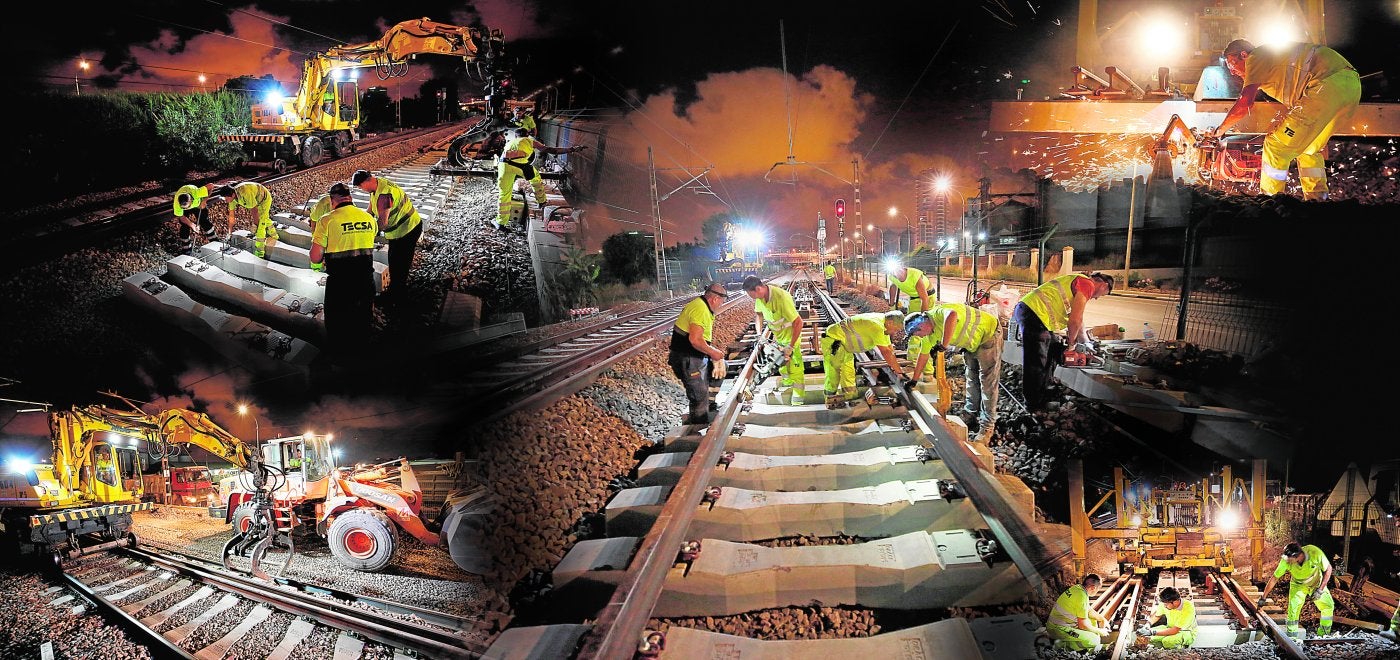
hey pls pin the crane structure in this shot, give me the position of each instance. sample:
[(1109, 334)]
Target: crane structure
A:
[(323, 117)]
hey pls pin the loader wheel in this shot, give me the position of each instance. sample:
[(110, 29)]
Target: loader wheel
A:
[(311, 151), (338, 145), (242, 517), (363, 539)]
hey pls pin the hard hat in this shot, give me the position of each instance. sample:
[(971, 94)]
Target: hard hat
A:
[(912, 322)]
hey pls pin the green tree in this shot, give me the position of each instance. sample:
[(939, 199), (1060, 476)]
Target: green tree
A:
[(579, 282), (629, 258), (712, 232)]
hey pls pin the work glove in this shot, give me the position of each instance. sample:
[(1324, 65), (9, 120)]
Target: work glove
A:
[(1259, 604), (1145, 631), (939, 348), (718, 370), (909, 383)]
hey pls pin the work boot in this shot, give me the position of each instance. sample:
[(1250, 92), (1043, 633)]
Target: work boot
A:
[(799, 397), (835, 402)]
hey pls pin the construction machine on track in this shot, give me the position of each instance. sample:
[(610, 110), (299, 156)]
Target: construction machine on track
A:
[(82, 500), (323, 117)]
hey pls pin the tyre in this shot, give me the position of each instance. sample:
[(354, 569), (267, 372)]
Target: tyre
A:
[(311, 151), (242, 517), (363, 539), (338, 145), (279, 166)]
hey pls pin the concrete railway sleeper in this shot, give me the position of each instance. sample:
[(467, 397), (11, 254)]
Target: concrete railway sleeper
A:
[(708, 530), (187, 608)]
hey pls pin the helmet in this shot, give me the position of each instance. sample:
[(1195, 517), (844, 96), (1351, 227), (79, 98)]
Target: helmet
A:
[(912, 321)]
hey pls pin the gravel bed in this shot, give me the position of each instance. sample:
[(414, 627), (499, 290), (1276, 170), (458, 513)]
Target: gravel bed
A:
[(783, 623), (27, 621), (810, 539), (190, 612), (161, 604), (319, 645), (153, 586), (222, 624), (377, 651), (264, 637)]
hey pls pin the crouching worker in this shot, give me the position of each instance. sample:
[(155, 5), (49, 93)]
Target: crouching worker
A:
[(1180, 629), (1073, 623)]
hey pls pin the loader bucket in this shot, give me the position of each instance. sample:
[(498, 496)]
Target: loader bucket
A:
[(465, 529)]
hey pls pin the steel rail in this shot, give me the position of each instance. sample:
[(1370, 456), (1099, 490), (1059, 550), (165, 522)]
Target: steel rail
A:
[(619, 626), (1289, 646), (489, 358), (1127, 629), (392, 631), (160, 647), (995, 505), (559, 378), (443, 619)]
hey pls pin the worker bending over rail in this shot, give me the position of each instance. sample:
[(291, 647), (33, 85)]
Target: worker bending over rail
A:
[(1045, 310), (1309, 572), (1072, 621), (841, 341), (958, 327), (914, 283), (253, 195), (774, 305)]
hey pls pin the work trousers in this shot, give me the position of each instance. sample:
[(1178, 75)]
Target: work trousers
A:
[(838, 368), (204, 228), (694, 373), (831, 285), (792, 372), (1304, 132), (1039, 346), (1180, 640), (506, 174), (264, 229), (1299, 594), (401, 252), (983, 381), (1074, 639), (349, 303)]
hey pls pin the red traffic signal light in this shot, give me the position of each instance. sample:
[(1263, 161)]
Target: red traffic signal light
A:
[(840, 208)]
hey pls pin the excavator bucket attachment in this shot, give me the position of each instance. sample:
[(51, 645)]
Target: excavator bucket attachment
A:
[(465, 528)]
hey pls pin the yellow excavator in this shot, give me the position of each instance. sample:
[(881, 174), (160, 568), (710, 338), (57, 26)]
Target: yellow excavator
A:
[(324, 115), (82, 500)]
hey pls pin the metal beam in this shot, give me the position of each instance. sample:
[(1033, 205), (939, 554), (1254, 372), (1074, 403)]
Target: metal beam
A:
[(1149, 117)]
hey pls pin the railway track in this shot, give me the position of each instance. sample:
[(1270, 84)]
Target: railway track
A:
[(1228, 623), (89, 224), (189, 608), (914, 519), (536, 374)]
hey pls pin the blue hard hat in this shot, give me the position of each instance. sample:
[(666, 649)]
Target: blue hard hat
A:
[(912, 321)]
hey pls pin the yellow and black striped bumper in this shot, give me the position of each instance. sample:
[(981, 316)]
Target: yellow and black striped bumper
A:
[(74, 515), (251, 138)]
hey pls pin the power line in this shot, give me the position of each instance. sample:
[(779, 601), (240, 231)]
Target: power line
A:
[(273, 20), (220, 34), (911, 91)]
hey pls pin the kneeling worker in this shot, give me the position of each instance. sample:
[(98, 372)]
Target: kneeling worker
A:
[(1072, 621), (1180, 629), (841, 341)]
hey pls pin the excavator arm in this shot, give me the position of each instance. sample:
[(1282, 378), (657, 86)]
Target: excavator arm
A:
[(389, 57)]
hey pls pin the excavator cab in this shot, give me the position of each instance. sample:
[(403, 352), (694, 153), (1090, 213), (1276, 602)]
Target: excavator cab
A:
[(115, 470)]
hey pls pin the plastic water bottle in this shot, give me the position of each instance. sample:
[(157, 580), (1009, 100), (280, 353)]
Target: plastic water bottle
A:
[(1147, 332)]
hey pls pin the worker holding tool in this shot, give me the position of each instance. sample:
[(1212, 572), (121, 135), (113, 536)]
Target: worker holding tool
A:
[(959, 327), (254, 195), (692, 358), (192, 200), (1180, 628), (1049, 308), (344, 242), (774, 304), (398, 221), (518, 161), (1309, 572), (1072, 621), (839, 344), (913, 283), (1316, 84), (830, 273)]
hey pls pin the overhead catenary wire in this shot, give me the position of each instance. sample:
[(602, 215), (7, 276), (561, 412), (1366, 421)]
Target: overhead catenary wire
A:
[(273, 20), (902, 103)]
